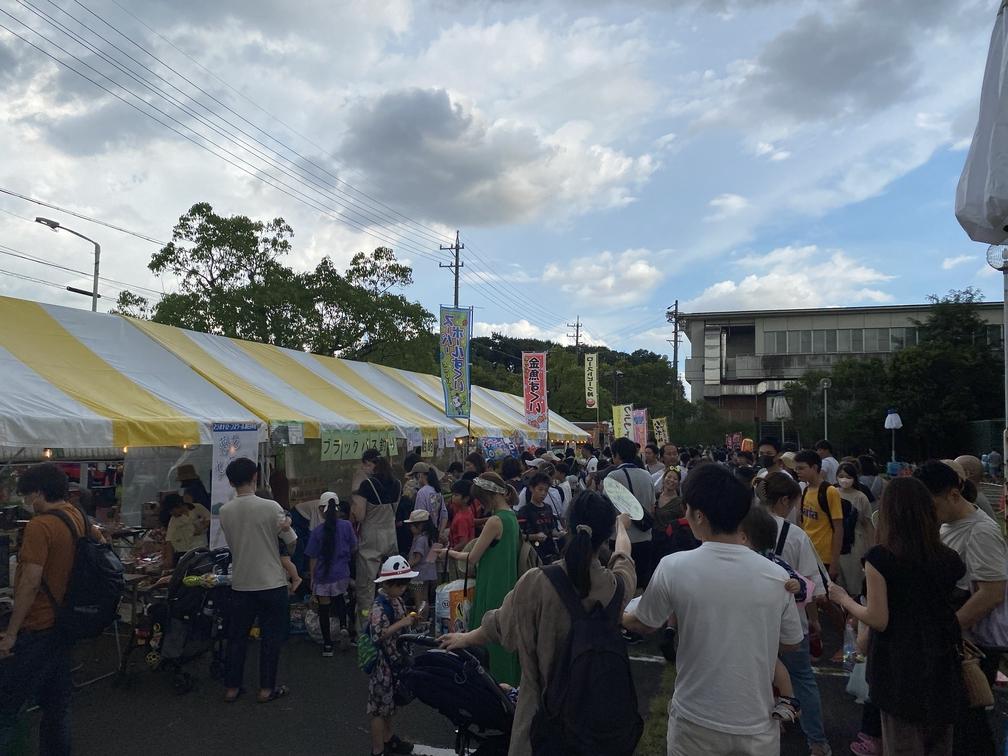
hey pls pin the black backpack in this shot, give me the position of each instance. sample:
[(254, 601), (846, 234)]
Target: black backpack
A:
[(91, 601), (849, 519), (589, 706)]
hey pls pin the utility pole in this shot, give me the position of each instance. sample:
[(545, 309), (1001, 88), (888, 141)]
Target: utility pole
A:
[(576, 325), (456, 248), (674, 317)]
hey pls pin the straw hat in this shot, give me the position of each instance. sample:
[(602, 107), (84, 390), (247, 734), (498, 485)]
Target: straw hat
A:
[(418, 516)]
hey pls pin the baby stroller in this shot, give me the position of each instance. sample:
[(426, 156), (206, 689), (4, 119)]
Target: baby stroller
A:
[(457, 685), (191, 620)]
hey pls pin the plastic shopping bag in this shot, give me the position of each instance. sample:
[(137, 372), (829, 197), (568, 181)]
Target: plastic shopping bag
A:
[(857, 684)]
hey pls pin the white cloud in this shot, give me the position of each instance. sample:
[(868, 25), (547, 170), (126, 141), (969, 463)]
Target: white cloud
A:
[(950, 262), (608, 279), (726, 206), (523, 329), (796, 277), (436, 157)]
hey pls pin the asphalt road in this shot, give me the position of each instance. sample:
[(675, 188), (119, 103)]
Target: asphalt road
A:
[(324, 714)]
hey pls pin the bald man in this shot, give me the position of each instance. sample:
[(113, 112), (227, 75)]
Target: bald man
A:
[(974, 472)]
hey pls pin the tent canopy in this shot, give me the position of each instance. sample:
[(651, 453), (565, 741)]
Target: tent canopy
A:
[(77, 379)]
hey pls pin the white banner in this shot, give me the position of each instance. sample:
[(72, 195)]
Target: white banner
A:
[(591, 380), (230, 441)]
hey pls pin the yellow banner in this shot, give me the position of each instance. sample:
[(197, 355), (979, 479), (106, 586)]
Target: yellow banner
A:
[(623, 425)]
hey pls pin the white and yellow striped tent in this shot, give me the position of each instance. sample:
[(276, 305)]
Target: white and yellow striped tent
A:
[(76, 379)]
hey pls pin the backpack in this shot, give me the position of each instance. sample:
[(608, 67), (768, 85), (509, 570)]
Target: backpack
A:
[(96, 584), (849, 517), (589, 705), (367, 649)]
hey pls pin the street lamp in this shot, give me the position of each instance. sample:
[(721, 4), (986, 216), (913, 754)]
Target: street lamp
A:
[(616, 378), (825, 384), (55, 226)]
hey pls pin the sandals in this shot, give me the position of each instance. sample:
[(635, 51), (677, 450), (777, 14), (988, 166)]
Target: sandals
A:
[(276, 693), (235, 697)]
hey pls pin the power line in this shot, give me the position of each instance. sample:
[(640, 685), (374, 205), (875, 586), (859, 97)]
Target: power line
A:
[(318, 188), (74, 213), (437, 236), (255, 171), (11, 252), (24, 277)]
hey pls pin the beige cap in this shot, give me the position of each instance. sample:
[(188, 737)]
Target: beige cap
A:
[(957, 467), (418, 515), (420, 467)]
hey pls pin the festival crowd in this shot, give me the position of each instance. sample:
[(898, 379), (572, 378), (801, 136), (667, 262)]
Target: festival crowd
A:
[(738, 559)]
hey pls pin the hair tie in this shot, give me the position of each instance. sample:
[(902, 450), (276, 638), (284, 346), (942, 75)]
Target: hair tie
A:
[(584, 529)]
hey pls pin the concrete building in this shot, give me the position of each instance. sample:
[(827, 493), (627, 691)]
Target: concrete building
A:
[(740, 360)]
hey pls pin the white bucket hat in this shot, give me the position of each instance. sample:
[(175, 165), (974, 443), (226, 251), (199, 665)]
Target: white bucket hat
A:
[(396, 568)]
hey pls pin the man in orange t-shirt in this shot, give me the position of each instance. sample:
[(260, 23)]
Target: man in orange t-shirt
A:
[(34, 659)]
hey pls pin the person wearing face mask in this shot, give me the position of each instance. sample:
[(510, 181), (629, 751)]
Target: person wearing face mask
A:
[(859, 533), (768, 457)]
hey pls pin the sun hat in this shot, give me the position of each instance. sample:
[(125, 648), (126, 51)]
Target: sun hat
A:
[(787, 459), (396, 568), (325, 498), (418, 515), (959, 470), (550, 457), (420, 467), (536, 463)]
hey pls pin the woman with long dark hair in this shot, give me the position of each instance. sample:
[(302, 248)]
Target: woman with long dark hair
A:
[(330, 549), (374, 511), (535, 623), (914, 669)]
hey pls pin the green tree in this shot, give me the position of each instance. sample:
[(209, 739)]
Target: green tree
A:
[(233, 282)]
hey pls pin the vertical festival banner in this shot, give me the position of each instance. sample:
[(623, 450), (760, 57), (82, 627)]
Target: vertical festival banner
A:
[(591, 380), (640, 427), (230, 441), (534, 383), (456, 329), (660, 431), (623, 426)]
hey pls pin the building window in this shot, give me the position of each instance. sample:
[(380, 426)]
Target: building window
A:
[(857, 340), (806, 342), (793, 342), (994, 335), (775, 342), (897, 337), (819, 342), (831, 342), (843, 340), (911, 336), (871, 340)]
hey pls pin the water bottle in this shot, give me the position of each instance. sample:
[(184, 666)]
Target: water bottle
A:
[(849, 647)]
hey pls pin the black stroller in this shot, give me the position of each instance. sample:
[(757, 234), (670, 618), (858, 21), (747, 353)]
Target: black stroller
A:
[(458, 685), (191, 620)]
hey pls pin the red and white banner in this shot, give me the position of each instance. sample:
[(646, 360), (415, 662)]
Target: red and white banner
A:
[(534, 383)]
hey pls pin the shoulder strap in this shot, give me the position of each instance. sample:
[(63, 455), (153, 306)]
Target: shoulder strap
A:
[(615, 608), (74, 535), (782, 538), (562, 584), (628, 483), (823, 496)]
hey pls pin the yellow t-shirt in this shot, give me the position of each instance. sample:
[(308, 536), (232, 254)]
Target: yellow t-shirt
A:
[(814, 520)]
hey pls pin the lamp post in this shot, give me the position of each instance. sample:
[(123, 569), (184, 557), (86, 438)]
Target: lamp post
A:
[(997, 258), (893, 423), (825, 384), (616, 378), (55, 226)]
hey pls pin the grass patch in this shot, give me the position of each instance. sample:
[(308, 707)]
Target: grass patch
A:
[(653, 741)]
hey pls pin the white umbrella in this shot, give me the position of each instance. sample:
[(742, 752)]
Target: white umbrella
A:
[(779, 410), (893, 423), (982, 195)]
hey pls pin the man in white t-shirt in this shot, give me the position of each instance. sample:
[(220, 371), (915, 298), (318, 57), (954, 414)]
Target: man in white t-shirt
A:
[(252, 526), (651, 462), (829, 464), (669, 458), (733, 616)]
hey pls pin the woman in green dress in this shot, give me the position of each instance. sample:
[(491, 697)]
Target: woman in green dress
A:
[(496, 553)]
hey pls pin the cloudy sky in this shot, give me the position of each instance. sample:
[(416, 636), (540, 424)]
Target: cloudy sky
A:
[(602, 159)]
